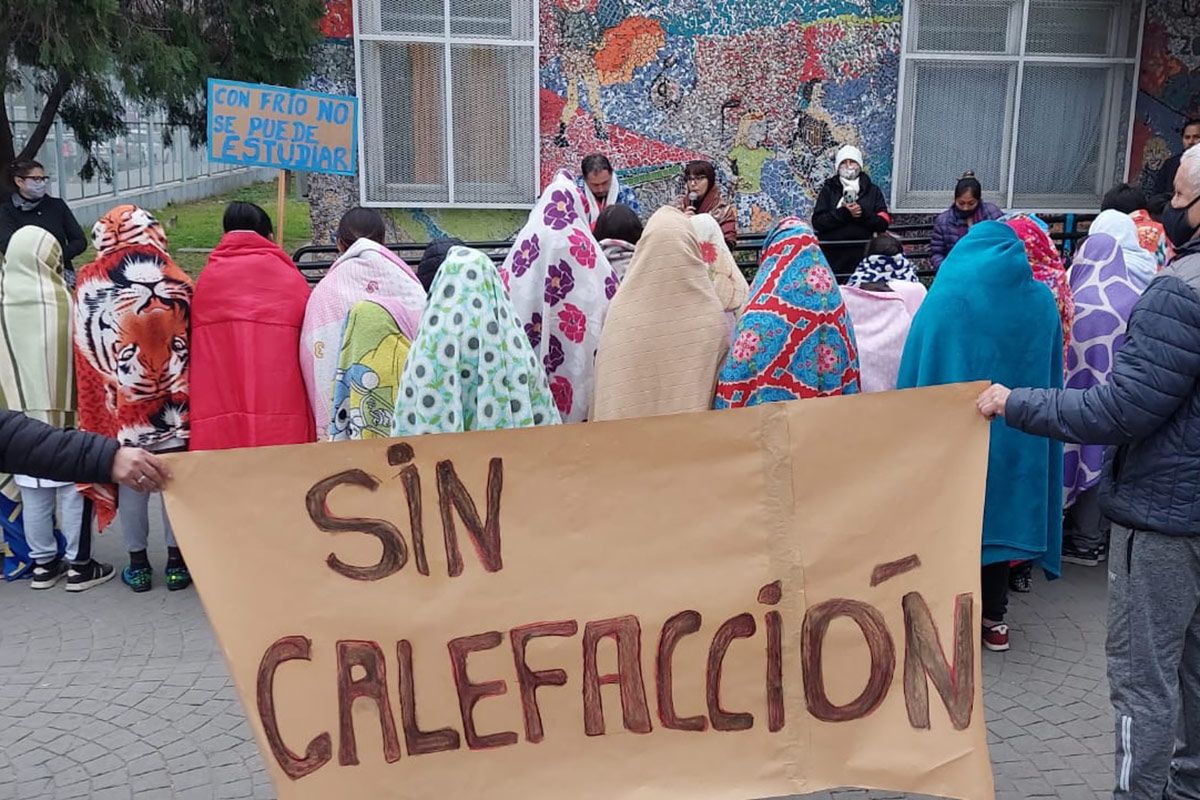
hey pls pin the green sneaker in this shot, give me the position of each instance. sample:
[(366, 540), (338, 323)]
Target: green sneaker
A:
[(177, 578), (140, 579)]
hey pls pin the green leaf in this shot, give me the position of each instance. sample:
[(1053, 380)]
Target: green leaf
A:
[(157, 54)]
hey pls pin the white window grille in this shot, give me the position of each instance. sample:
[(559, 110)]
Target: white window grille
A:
[(1034, 96), (449, 99)]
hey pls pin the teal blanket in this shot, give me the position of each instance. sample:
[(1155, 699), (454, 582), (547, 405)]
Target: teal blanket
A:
[(986, 318)]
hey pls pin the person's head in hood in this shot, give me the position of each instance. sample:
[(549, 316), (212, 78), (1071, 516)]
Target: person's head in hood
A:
[(433, 258), (849, 163), (127, 225), (360, 223)]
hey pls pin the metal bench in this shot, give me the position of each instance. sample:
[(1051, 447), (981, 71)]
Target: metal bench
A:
[(314, 260)]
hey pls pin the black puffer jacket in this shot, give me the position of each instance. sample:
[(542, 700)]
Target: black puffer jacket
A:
[(33, 448), (835, 224), (1149, 409)]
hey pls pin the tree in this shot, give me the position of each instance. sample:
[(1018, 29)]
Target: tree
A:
[(87, 57)]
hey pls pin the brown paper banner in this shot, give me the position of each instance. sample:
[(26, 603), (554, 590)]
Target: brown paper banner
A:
[(732, 604)]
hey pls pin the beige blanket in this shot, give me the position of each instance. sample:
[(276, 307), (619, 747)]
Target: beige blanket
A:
[(666, 333)]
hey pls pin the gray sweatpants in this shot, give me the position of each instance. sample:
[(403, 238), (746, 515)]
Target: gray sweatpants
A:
[(39, 507), (133, 509), (1154, 663)]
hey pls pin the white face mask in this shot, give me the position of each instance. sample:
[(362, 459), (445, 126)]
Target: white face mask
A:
[(34, 189), (850, 173)]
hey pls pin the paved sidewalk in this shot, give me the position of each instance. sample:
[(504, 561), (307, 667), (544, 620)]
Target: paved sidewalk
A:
[(110, 695)]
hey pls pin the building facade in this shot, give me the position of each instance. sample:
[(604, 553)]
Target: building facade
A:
[(469, 106)]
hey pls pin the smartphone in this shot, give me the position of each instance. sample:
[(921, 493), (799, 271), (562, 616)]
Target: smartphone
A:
[(849, 197)]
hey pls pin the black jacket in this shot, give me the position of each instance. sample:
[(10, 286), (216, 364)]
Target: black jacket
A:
[(51, 215), (1164, 185), (33, 448), (834, 224)]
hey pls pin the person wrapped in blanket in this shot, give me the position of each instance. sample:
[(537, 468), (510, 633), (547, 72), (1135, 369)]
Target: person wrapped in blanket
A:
[(988, 315), (793, 340), (366, 270), (247, 389), (132, 350), (882, 296), (38, 378)]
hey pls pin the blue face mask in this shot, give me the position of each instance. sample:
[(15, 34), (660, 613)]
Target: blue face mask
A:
[(34, 189)]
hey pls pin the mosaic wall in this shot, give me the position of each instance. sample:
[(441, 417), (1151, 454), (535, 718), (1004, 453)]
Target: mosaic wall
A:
[(333, 71), (766, 89), (1169, 84)]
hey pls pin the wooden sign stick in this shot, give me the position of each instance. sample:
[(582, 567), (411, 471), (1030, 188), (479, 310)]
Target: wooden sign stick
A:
[(280, 203)]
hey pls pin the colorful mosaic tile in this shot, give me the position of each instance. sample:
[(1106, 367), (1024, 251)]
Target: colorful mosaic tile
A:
[(766, 89), (1169, 83)]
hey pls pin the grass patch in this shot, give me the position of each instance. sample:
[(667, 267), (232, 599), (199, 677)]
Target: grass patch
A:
[(198, 224)]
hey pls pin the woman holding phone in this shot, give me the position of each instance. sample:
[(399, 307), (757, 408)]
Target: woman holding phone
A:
[(850, 209)]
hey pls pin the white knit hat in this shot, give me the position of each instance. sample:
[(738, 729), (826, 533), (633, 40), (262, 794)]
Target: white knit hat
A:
[(849, 152)]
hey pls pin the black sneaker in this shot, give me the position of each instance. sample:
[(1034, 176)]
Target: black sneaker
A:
[(82, 577), (1020, 580), (47, 576), (1088, 557)]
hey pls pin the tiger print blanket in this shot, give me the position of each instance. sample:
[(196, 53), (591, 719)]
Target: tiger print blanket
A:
[(131, 354)]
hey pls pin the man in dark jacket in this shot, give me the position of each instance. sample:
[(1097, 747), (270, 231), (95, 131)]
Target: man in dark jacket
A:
[(33, 448), (1164, 180), (1150, 411), (849, 208)]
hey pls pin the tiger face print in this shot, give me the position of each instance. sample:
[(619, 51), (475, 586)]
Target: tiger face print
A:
[(133, 329), (127, 225), (152, 353)]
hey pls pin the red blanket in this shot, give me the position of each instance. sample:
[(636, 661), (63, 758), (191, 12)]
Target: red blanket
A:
[(247, 389)]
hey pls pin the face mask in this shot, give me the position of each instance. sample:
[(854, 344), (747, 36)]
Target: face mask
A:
[(849, 173), (1175, 221), (34, 190), (958, 212)]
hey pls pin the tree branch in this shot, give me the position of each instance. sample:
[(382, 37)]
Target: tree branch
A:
[(6, 150), (49, 111)]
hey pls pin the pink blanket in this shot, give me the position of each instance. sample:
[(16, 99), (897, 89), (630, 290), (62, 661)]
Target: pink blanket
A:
[(366, 271), (881, 321)]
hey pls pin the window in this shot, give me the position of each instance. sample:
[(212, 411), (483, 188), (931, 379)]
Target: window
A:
[(449, 102), (1034, 96)]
